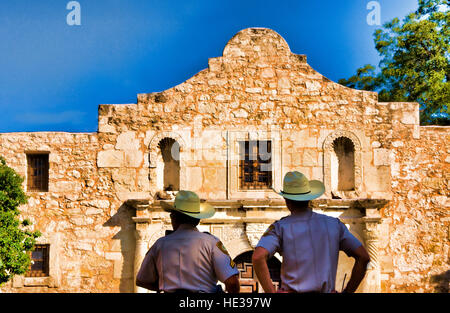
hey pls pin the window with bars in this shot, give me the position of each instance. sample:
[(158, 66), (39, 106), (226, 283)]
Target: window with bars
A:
[(37, 172), (39, 266), (255, 165)]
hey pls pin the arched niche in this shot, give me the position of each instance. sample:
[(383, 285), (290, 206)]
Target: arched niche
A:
[(167, 162), (342, 165), (168, 165)]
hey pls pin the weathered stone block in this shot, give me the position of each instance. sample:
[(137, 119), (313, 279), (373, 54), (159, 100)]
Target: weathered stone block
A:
[(124, 179), (284, 83), (241, 113), (94, 211), (195, 178), (253, 90), (133, 158), (381, 157), (113, 256), (127, 141), (110, 158), (107, 128), (267, 73), (410, 117), (310, 157), (66, 187), (84, 246), (127, 195)]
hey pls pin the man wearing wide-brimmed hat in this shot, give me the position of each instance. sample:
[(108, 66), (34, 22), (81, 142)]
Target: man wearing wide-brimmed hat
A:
[(188, 260), (309, 243)]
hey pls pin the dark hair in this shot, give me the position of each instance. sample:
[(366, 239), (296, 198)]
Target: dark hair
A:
[(297, 204), (185, 219)]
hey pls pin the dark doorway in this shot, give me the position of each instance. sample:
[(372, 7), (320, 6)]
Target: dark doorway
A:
[(247, 276)]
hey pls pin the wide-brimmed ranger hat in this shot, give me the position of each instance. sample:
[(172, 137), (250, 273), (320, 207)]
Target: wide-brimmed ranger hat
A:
[(298, 188), (188, 202)]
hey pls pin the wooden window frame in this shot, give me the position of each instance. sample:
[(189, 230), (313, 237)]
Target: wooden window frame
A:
[(251, 177), (37, 182), (45, 271)]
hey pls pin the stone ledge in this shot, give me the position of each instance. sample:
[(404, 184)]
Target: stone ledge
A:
[(38, 281), (142, 219), (250, 204)]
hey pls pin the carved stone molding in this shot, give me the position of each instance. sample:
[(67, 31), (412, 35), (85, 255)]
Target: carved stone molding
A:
[(371, 239), (372, 282), (242, 234), (141, 232), (233, 236), (254, 232)]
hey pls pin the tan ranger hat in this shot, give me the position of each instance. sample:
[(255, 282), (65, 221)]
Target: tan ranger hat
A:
[(188, 202), (298, 188)]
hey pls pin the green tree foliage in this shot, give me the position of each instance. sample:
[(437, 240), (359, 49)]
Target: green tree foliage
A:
[(15, 240), (415, 62)]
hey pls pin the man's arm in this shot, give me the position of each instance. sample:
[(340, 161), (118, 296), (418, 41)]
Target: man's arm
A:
[(232, 284), (259, 259), (359, 269), (147, 276)]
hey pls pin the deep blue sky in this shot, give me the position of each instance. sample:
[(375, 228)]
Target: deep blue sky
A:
[(54, 76)]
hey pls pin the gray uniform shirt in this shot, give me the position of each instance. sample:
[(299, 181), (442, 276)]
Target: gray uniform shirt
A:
[(187, 259), (309, 243)]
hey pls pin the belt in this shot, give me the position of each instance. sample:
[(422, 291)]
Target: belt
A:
[(218, 289), (183, 291), (293, 291)]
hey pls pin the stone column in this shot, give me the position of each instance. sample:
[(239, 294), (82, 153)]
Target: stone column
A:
[(142, 221), (150, 225), (373, 275), (141, 247)]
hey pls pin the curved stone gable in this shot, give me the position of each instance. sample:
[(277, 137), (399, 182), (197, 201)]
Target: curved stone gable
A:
[(256, 42), (259, 81)]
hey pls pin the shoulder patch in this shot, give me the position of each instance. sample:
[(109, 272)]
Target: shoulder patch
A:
[(222, 248), (271, 227)]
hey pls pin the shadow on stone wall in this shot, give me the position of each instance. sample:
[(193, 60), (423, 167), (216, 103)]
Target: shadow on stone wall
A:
[(123, 262), (441, 282), (345, 263)]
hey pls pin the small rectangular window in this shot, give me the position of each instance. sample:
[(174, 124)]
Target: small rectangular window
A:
[(255, 165), (37, 172), (39, 266)]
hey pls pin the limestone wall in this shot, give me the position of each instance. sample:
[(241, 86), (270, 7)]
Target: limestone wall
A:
[(91, 244), (416, 229)]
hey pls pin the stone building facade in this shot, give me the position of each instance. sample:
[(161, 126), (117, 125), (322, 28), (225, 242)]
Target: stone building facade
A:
[(386, 176)]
